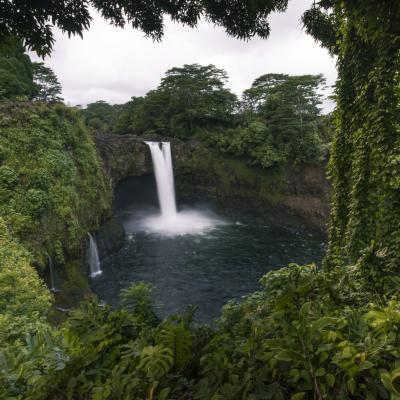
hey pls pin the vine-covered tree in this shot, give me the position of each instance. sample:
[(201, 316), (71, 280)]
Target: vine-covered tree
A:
[(48, 86), (365, 159)]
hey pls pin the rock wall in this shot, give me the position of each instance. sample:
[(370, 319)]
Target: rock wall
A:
[(291, 196), (123, 155)]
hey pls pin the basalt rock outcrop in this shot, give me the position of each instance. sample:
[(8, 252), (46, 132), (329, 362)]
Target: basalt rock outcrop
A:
[(122, 156)]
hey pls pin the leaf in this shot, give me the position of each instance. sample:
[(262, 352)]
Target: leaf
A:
[(305, 310), (385, 378), (330, 379), (395, 382), (156, 361), (323, 356), (289, 355), (322, 323), (163, 394), (365, 365), (298, 396)]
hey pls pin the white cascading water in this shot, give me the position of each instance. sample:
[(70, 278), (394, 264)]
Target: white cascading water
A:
[(162, 163), (171, 222), (52, 283), (94, 260)]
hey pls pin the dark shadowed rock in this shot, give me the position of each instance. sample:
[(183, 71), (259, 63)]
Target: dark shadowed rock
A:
[(122, 156), (110, 237)]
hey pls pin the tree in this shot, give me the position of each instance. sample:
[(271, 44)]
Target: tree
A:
[(188, 98), (48, 87), (281, 121), (127, 121), (16, 71), (29, 20), (101, 117)]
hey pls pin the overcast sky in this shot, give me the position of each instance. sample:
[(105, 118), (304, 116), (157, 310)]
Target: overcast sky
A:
[(113, 64)]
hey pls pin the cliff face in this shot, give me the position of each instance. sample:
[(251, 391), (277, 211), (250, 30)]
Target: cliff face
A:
[(123, 155), (294, 195), (52, 192)]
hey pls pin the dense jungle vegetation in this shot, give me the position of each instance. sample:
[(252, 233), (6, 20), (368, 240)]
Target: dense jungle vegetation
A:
[(310, 333), (277, 122)]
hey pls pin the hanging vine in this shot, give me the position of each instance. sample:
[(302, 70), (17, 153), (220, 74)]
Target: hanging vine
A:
[(365, 161)]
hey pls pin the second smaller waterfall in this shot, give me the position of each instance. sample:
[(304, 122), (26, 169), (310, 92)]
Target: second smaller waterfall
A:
[(93, 258), (52, 281)]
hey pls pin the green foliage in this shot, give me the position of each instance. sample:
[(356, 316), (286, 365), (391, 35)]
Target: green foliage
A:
[(101, 117), (295, 340), (307, 334), (253, 143), (137, 300), (177, 337), (50, 177), (16, 71), (128, 117), (24, 299), (280, 123), (21, 79), (364, 163)]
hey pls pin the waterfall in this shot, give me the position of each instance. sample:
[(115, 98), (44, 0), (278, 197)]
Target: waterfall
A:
[(162, 163), (94, 261), (171, 222), (52, 284)]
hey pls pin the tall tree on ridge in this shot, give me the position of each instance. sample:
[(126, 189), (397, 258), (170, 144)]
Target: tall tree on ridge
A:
[(188, 98), (48, 86), (16, 71)]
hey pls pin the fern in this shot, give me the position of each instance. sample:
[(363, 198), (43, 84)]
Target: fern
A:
[(179, 340)]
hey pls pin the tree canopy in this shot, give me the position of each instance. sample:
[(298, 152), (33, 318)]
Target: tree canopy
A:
[(22, 79), (16, 71), (280, 122), (34, 21), (101, 116), (188, 98)]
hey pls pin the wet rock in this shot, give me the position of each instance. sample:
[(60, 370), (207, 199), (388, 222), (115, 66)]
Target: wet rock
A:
[(110, 238), (122, 156)]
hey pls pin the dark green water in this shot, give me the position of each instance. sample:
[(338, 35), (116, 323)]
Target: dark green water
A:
[(205, 269)]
